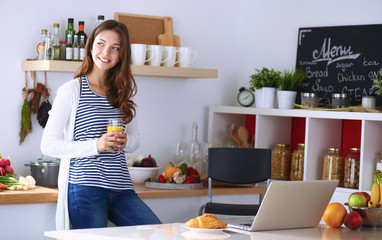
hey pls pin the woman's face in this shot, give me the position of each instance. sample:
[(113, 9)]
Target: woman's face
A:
[(106, 49)]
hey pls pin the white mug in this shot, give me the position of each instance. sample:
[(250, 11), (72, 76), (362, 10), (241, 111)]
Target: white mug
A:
[(155, 54), (169, 56), (186, 56), (138, 53)]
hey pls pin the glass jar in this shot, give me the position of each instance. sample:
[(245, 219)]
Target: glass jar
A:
[(334, 166), (351, 172), (309, 100), (281, 161), (297, 166), (379, 162), (339, 100)]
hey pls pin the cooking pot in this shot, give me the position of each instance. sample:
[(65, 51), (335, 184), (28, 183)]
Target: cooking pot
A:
[(45, 172)]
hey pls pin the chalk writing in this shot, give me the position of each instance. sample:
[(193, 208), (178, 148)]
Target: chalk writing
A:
[(333, 53)]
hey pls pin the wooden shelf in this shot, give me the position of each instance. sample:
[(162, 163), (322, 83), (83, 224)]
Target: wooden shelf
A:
[(68, 66)]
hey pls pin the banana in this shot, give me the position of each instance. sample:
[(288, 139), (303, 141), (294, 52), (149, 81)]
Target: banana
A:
[(374, 196), (380, 189)]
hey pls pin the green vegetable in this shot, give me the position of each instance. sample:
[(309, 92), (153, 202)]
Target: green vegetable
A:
[(184, 167), (26, 121), (9, 181), (154, 180)]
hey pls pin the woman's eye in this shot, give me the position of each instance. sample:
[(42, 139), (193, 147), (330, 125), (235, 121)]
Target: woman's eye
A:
[(100, 44), (115, 48)]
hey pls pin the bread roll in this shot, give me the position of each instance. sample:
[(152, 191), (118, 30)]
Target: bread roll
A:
[(208, 221)]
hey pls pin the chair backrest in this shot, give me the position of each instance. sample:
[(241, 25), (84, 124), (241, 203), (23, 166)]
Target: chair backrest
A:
[(239, 165)]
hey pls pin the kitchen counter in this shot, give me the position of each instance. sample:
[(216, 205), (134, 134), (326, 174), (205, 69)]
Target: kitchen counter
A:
[(49, 195), (175, 231)]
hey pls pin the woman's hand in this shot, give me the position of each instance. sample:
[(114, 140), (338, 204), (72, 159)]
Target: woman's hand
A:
[(112, 139)]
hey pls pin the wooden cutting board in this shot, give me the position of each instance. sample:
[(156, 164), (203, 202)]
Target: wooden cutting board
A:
[(146, 29), (168, 38)]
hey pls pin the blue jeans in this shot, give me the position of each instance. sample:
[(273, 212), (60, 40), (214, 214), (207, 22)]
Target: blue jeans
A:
[(91, 207)]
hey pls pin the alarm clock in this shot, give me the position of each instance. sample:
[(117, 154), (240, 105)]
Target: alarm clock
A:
[(245, 97)]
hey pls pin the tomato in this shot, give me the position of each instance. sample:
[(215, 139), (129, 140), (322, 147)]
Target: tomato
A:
[(334, 214)]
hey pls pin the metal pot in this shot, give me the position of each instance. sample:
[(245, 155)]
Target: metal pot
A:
[(45, 172)]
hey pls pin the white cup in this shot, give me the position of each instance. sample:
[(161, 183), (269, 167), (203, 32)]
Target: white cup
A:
[(138, 53), (186, 56), (169, 56), (155, 54)]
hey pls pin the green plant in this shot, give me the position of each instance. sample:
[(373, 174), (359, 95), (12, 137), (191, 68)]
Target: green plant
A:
[(377, 83), (264, 78), (291, 79)]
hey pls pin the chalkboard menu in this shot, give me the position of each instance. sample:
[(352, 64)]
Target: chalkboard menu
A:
[(341, 59)]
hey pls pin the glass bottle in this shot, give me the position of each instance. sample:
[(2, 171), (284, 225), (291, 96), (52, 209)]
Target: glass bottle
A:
[(63, 49), (69, 51), (82, 47), (379, 162), (100, 19), (48, 48), (41, 44), (194, 151), (81, 30), (351, 172), (228, 140), (76, 50), (334, 166), (281, 162), (297, 165), (70, 31), (56, 42)]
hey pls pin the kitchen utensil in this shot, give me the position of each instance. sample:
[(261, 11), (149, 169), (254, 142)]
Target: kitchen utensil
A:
[(45, 172), (244, 136), (235, 137), (168, 38)]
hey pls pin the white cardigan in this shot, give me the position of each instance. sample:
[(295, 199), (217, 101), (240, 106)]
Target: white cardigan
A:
[(57, 141)]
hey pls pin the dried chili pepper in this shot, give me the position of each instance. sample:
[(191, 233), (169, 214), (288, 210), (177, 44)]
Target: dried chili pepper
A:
[(26, 121)]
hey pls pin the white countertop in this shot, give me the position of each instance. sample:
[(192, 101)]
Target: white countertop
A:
[(175, 231)]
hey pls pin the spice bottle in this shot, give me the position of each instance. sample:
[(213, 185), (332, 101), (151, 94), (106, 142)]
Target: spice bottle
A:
[(56, 42), (351, 172), (281, 161), (297, 165), (48, 48), (334, 166), (41, 44)]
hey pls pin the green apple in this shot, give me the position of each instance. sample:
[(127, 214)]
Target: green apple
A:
[(356, 200)]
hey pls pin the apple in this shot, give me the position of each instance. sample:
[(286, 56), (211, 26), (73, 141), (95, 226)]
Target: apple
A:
[(353, 220), (138, 160), (148, 162), (357, 200), (367, 195), (2, 162)]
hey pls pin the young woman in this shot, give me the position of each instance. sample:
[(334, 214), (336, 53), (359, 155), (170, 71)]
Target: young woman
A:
[(94, 182)]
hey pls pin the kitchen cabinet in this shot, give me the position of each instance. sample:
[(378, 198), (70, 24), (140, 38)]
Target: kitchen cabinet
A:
[(323, 129), (72, 66)]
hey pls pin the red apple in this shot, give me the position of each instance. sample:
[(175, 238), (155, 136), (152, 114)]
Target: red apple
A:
[(353, 220), (148, 162), (2, 162)]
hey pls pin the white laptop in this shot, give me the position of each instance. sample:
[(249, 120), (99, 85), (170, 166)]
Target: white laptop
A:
[(290, 204)]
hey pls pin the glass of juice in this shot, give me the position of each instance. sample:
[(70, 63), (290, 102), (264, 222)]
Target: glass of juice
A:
[(114, 125)]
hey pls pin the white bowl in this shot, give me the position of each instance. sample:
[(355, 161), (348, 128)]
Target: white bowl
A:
[(140, 174)]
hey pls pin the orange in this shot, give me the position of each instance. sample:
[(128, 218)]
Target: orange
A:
[(334, 214)]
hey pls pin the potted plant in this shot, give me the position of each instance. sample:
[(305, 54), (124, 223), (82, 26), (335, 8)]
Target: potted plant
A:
[(264, 82), (290, 80), (369, 101)]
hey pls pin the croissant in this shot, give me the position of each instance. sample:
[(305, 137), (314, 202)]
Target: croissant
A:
[(207, 220)]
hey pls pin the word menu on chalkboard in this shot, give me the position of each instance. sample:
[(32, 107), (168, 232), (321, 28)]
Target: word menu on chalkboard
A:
[(341, 59)]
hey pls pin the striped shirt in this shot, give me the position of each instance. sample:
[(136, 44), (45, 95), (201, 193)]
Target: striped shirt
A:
[(106, 170)]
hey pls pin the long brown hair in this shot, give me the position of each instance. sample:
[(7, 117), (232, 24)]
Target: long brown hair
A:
[(120, 83)]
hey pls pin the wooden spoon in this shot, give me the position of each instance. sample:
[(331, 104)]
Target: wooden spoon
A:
[(235, 136), (243, 135)]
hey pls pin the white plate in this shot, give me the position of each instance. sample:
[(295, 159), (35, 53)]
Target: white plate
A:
[(204, 230)]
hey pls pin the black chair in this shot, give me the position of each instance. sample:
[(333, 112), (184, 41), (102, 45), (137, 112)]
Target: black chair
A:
[(236, 166)]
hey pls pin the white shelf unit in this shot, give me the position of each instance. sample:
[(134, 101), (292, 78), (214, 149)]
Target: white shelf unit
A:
[(323, 129)]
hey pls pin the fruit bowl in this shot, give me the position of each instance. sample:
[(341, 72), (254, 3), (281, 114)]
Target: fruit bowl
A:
[(140, 174), (371, 217)]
